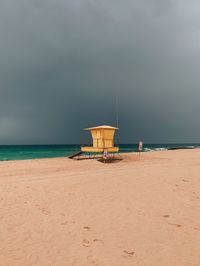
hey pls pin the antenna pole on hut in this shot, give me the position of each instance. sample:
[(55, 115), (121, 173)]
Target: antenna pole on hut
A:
[(117, 118)]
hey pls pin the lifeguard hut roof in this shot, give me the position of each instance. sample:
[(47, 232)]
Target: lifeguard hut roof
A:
[(101, 127), (103, 139)]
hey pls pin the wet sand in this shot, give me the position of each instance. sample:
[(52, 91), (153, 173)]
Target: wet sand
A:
[(135, 212)]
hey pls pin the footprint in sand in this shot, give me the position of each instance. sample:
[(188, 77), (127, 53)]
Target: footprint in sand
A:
[(86, 243), (43, 210), (176, 187), (128, 253), (177, 225), (46, 212), (92, 260), (195, 194), (96, 240), (86, 228), (166, 216)]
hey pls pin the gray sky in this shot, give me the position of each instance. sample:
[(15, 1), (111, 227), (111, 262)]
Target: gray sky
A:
[(64, 62)]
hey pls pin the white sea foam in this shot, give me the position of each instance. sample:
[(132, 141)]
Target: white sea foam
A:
[(161, 149), (147, 149), (155, 149)]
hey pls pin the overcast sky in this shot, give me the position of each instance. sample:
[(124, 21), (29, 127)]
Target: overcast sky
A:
[(64, 62)]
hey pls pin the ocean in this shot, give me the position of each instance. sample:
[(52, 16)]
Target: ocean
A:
[(23, 152)]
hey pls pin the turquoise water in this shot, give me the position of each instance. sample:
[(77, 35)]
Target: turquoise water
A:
[(22, 152)]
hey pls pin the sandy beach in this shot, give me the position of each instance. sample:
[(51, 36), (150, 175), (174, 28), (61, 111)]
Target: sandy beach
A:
[(135, 212)]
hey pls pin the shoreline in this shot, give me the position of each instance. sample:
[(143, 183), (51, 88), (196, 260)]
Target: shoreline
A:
[(120, 153)]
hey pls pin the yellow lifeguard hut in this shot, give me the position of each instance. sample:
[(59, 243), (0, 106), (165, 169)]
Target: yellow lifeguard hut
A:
[(103, 139)]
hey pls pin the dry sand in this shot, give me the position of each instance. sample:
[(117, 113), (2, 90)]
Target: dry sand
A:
[(134, 212)]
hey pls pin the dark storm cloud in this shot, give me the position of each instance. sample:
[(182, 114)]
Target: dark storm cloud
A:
[(63, 63)]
